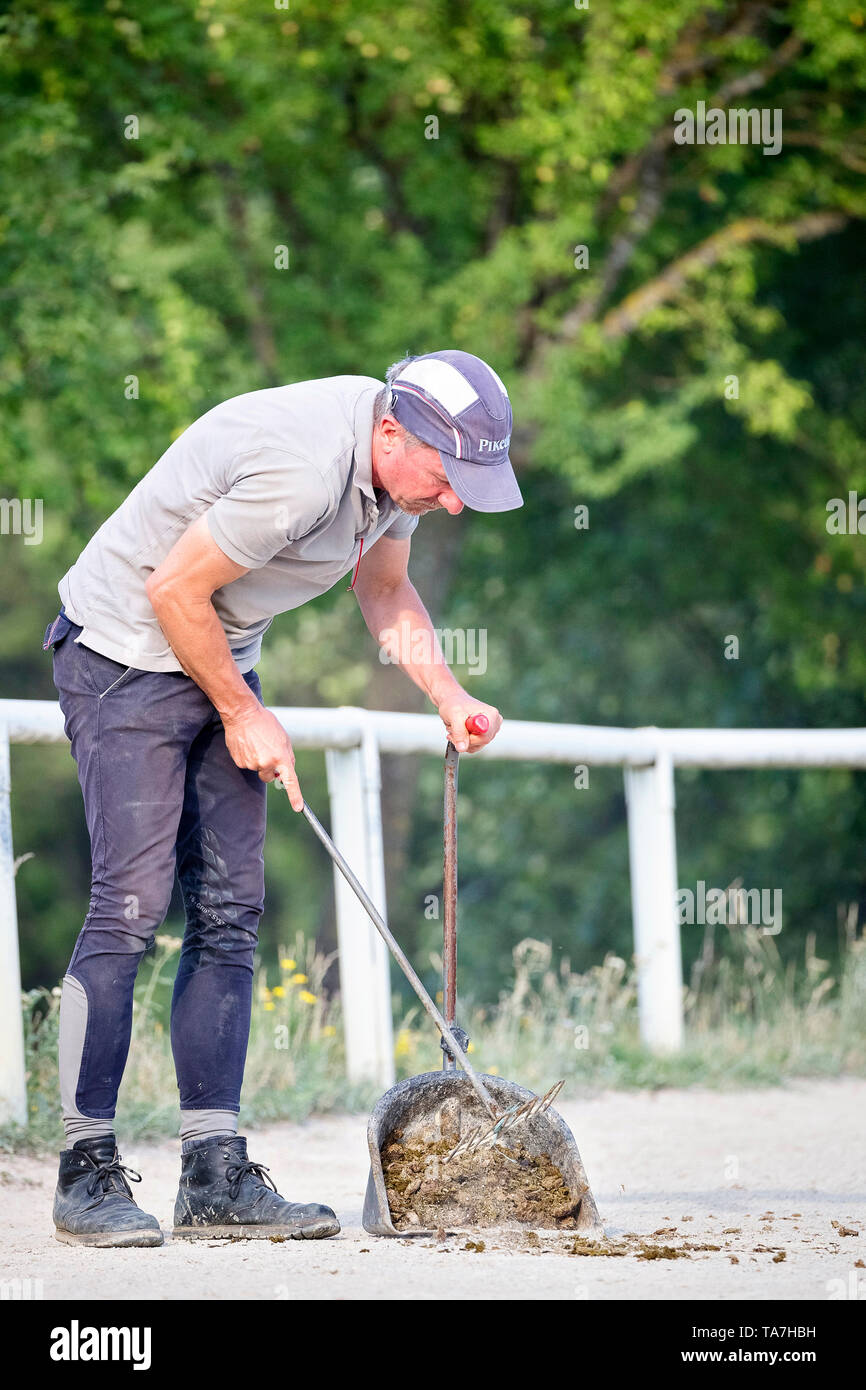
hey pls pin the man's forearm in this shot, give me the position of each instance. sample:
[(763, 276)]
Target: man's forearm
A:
[(180, 591), (198, 640), (401, 625)]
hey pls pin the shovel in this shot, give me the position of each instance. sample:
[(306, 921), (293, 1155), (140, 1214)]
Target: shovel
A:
[(470, 1111)]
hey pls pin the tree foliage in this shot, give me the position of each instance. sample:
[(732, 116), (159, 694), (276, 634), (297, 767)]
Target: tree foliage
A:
[(681, 327)]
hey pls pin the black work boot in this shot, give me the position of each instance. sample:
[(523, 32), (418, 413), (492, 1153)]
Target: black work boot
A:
[(93, 1204), (222, 1194)]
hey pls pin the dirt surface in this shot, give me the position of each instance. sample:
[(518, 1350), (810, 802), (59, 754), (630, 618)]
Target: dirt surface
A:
[(493, 1187), (747, 1194)]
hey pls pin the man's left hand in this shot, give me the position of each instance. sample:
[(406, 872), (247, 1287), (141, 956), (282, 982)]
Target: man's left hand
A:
[(456, 709)]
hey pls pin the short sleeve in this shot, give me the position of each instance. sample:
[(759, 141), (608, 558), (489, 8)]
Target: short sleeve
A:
[(274, 499), (402, 526)]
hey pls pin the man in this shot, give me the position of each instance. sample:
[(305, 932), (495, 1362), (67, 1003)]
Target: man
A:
[(263, 503)]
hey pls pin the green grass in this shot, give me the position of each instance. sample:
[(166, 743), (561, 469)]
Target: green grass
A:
[(751, 1020), (295, 1061)]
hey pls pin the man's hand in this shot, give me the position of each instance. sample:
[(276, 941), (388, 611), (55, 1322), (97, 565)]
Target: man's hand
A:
[(455, 709), (256, 739)]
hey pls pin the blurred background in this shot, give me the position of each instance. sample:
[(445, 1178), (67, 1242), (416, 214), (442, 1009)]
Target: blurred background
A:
[(681, 328)]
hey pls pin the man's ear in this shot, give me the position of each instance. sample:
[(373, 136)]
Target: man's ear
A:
[(390, 431)]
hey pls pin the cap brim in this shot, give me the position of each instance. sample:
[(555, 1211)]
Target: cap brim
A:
[(485, 487)]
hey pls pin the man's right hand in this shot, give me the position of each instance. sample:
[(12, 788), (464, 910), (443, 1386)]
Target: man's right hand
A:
[(256, 739)]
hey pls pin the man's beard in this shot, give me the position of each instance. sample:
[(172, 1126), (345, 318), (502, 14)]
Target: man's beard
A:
[(417, 508)]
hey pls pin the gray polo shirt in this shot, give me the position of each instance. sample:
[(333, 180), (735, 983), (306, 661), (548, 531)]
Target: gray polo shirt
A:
[(285, 479)]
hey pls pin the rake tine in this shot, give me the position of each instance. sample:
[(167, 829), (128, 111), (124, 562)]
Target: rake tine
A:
[(463, 1146), (477, 1139), (539, 1106), (505, 1120)]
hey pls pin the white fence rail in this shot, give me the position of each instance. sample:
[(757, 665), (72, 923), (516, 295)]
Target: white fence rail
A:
[(352, 740)]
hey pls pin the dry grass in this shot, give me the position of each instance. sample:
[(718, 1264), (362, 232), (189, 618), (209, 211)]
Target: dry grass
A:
[(751, 1019)]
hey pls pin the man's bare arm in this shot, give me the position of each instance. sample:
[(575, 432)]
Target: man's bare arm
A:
[(390, 603), (180, 592)]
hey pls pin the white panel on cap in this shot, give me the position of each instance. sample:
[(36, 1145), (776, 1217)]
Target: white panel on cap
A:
[(499, 382), (441, 381)]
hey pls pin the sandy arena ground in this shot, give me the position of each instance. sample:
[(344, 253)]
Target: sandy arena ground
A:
[(758, 1173)]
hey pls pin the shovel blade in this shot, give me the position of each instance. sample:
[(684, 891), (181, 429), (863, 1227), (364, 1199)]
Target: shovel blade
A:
[(440, 1104)]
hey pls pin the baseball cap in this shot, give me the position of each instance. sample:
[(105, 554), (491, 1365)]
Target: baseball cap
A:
[(457, 404)]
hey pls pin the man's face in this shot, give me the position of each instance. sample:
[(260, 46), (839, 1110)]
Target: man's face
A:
[(413, 477)]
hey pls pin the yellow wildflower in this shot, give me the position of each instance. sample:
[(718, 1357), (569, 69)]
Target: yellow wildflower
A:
[(307, 997), (298, 980), (287, 964), (278, 991), (270, 1006), (329, 1031)]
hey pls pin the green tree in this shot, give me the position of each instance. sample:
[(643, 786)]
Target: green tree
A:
[(204, 198)]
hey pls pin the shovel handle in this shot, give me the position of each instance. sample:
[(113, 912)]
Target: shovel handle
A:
[(449, 893), (475, 724), (403, 962)]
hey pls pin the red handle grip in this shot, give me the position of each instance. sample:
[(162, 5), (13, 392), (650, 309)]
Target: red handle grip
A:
[(477, 724)]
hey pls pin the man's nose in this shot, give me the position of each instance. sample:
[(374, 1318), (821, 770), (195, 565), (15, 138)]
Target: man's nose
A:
[(451, 502)]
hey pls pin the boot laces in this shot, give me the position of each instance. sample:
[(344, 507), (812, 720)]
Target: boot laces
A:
[(236, 1172), (108, 1175)]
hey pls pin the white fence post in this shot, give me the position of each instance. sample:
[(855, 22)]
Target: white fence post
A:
[(365, 981), (652, 852), (13, 1085)]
